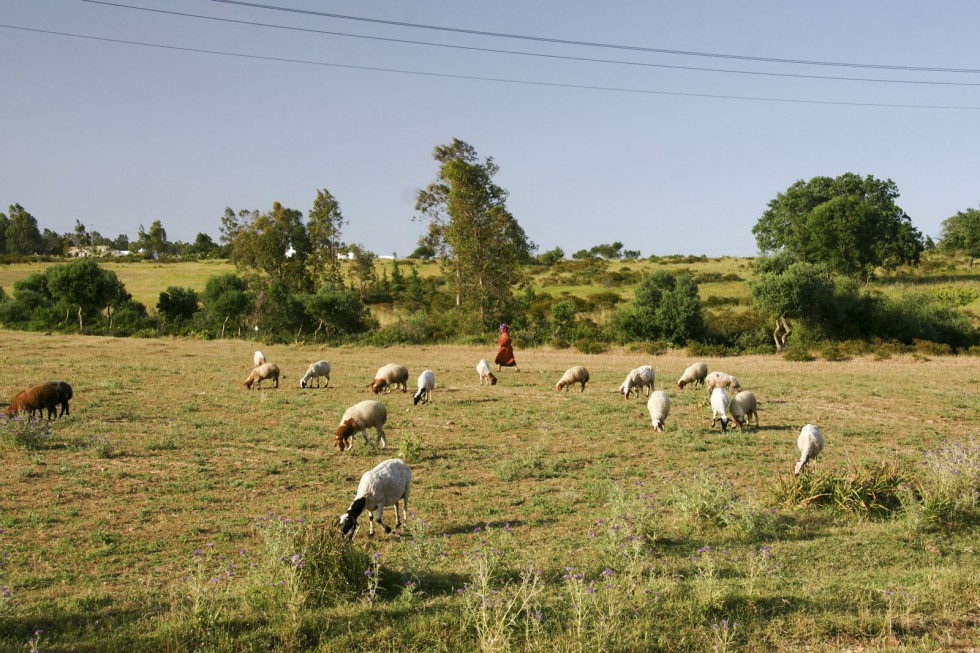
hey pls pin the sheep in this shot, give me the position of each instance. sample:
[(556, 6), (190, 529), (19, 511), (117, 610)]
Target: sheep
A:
[(577, 374), (486, 376), (641, 377), (722, 380), (694, 374), (263, 372), (719, 408), (385, 485), (810, 443), (258, 358), (427, 381), (659, 406), (742, 407), (360, 417), (390, 375), (41, 397), (65, 393), (315, 371)]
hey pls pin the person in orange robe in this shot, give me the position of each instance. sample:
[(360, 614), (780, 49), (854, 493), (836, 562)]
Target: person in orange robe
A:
[(505, 355)]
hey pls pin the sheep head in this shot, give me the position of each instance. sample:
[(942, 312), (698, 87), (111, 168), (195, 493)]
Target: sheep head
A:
[(248, 382), (798, 467), (378, 385), (348, 520), (560, 385), (658, 425), (493, 379), (345, 432), (681, 384)]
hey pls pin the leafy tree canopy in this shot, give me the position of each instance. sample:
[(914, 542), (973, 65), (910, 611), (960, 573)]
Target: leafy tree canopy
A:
[(961, 233), (849, 223)]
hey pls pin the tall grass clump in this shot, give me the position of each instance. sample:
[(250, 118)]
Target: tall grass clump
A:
[(871, 489), (948, 492), (26, 432)]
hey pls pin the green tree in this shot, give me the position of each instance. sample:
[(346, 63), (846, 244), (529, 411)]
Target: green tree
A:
[(336, 310), (85, 284), (269, 247), (226, 299), (203, 246), (22, 235), (961, 233), (664, 307), (361, 272), (178, 305), (154, 243), (848, 223), (279, 313), (324, 225), (552, 256), (785, 288), (479, 243)]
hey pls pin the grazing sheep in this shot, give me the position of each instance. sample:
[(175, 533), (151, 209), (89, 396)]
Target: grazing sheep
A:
[(65, 393), (694, 374), (810, 443), (577, 374), (385, 485), (360, 417), (263, 372), (40, 397), (427, 381), (722, 380), (390, 375), (486, 376), (719, 408), (742, 407), (659, 406), (641, 377), (258, 358), (315, 371)]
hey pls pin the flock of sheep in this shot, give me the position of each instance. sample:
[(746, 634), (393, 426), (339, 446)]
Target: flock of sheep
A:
[(390, 481)]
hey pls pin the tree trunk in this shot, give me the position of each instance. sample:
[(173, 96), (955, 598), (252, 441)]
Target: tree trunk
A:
[(80, 327), (223, 326), (781, 339), (775, 336)]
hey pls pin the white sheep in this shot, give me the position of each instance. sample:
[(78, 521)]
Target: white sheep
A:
[(390, 375), (263, 372), (659, 406), (315, 371), (385, 485), (427, 381), (641, 377), (742, 407), (694, 374), (486, 376), (360, 417), (810, 443), (258, 358), (722, 380), (719, 408), (577, 374)]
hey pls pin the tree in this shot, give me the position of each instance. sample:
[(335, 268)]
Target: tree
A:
[(225, 299), (479, 243), (85, 284), (269, 247), (337, 311), (361, 271), (552, 256), (664, 307), (203, 246), (177, 304), (22, 235), (785, 288), (848, 223), (154, 243), (323, 225), (961, 233)]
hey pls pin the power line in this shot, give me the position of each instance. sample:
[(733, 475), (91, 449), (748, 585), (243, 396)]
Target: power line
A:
[(591, 44), (531, 54), (493, 79)]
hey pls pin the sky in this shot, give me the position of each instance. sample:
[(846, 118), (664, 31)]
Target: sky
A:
[(146, 115)]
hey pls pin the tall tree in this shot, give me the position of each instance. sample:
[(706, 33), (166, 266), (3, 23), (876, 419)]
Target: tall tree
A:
[(852, 225), (85, 284), (323, 224), (479, 243), (226, 300), (961, 233), (269, 247), (787, 289), (154, 242), (22, 234)]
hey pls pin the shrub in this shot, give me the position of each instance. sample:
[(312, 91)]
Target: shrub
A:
[(27, 432), (587, 346), (873, 489), (798, 355)]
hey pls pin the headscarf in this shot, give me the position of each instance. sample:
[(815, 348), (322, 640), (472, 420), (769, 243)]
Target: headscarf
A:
[(503, 327)]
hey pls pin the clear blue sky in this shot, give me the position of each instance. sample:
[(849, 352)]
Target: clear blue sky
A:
[(118, 135)]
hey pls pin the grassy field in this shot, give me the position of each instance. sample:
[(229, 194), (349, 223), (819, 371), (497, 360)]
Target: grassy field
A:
[(163, 514)]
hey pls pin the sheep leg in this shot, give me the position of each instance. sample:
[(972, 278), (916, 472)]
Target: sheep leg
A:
[(366, 441), (380, 440), (381, 523)]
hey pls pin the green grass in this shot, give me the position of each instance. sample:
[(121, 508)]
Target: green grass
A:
[(667, 535)]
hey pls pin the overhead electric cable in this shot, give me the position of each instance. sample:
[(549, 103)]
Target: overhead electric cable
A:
[(490, 79), (592, 44), (531, 54)]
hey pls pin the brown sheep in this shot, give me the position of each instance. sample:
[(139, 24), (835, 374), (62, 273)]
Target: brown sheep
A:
[(261, 373), (44, 396)]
